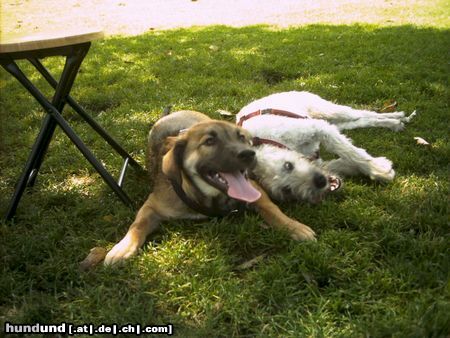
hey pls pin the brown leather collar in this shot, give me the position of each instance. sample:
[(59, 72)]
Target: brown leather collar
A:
[(201, 209), (257, 141), (269, 111)]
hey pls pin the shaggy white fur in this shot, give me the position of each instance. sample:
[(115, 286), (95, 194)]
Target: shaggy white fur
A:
[(322, 123)]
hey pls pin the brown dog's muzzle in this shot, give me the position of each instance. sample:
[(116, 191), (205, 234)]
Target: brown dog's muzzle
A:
[(247, 156), (229, 172)]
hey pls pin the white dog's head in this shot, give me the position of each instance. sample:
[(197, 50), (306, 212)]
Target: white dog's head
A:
[(287, 175)]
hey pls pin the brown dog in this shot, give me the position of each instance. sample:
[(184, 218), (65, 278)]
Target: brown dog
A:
[(199, 167)]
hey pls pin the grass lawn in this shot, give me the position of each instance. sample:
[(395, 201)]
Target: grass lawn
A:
[(380, 266)]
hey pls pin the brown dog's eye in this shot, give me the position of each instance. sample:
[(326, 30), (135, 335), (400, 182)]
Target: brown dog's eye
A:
[(242, 138), (210, 141)]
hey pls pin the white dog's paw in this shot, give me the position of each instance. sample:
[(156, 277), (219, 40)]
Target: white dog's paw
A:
[(301, 232), (126, 248), (408, 119), (381, 169)]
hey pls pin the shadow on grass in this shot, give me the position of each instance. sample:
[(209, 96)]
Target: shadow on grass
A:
[(344, 283)]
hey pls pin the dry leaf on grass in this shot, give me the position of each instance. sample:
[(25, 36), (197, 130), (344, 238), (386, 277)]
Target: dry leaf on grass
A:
[(108, 218), (252, 262), (421, 141), (389, 106), (224, 113)]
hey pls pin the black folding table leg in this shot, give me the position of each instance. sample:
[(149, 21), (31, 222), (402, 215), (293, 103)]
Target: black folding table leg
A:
[(34, 161), (90, 157), (116, 146), (45, 134), (62, 90), (40, 146), (41, 151), (22, 183)]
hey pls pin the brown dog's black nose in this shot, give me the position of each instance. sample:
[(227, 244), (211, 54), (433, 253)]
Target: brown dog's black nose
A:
[(246, 155), (319, 180)]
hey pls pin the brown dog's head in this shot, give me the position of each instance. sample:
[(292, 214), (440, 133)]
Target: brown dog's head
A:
[(215, 156)]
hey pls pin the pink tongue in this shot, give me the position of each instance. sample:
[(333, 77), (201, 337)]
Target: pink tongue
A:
[(239, 188)]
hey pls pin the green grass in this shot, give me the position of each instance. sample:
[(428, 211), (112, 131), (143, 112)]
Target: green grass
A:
[(380, 267)]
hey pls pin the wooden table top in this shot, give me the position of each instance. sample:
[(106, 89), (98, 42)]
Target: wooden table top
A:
[(35, 41)]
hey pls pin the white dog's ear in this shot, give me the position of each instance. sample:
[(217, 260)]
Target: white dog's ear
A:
[(172, 162)]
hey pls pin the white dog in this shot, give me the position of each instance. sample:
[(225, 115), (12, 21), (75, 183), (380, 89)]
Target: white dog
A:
[(299, 122)]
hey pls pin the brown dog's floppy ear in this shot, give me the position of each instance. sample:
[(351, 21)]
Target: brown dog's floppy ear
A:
[(172, 162)]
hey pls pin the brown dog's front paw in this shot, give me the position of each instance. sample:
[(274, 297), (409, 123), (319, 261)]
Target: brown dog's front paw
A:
[(96, 255), (126, 248), (301, 232)]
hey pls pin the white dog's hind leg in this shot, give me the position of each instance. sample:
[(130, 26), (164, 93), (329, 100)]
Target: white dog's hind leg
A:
[(393, 121), (323, 109), (393, 124)]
